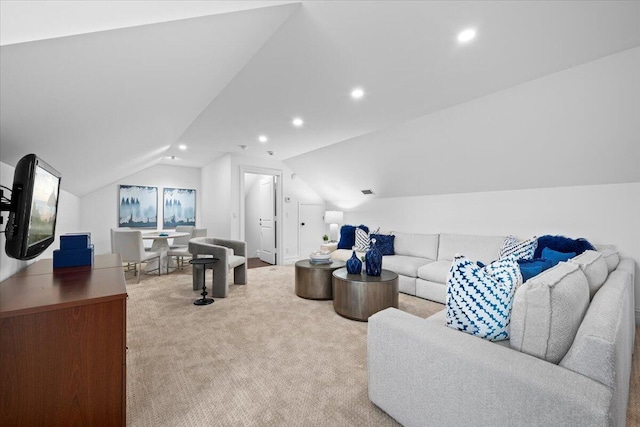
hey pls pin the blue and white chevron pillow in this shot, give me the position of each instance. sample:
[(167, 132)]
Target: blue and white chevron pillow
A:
[(362, 240), (479, 299), (521, 250)]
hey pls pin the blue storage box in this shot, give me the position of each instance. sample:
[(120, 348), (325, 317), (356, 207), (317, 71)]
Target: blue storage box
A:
[(75, 241), (72, 257)]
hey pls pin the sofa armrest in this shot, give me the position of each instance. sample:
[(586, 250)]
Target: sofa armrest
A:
[(421, 370), (329, 247)]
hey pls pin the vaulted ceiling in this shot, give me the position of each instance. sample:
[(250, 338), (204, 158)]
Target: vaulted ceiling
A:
[(106, 99)]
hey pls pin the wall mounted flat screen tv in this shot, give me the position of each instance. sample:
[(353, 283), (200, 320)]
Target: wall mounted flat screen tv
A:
[(34, 207)]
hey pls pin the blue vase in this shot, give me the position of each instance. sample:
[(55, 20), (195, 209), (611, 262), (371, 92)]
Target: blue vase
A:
[(354, 265), (374, 260)]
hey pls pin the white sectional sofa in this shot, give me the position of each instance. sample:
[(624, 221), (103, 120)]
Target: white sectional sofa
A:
[(421, 372), (422, 261), (567, 363)]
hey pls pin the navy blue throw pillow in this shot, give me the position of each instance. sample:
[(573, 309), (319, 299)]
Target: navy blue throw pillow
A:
[(384, 243), (533, 267), (348, 236), (556, 256), (562, 244)]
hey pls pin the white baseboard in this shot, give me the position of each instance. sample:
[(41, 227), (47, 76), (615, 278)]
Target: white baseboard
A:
[(290, 260)]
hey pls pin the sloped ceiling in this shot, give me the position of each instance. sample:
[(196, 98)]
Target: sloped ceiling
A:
[(129, 96), (103, 105)]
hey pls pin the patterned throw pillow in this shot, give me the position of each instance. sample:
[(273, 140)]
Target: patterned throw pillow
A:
[(384, 243), (362, 240), (521, 250), (479, 299), (348, 236)]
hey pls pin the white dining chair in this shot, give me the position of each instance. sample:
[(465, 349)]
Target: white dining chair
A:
[(129, 244), (200, 232), (180, 246)]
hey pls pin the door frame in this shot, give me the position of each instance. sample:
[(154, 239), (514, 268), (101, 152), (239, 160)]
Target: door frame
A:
[(279, 220)]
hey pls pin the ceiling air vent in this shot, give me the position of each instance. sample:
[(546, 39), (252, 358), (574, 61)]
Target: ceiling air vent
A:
[(367, 192)]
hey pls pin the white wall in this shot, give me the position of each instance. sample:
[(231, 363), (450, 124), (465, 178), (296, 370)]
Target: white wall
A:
[(603, 214), (68, 221), (99, 210), (216, 197)]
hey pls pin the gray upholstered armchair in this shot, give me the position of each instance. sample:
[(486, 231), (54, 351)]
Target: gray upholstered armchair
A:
[(230, 253)]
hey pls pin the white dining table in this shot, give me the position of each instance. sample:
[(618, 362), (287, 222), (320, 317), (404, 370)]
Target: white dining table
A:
[(161, 245)]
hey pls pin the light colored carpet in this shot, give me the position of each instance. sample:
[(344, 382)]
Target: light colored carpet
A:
[(260, 357)]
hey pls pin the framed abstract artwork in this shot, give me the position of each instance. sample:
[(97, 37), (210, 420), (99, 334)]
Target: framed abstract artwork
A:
[(179, 207), (138, 206)]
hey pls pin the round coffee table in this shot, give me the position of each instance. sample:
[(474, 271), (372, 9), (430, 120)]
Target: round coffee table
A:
[(358, 296), (313, 281)]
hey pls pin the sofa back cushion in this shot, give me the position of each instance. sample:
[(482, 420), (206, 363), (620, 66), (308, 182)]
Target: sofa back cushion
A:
[(476, 248), (418, 245), (594, 267), (611, 257), (548, 310), (593, 351), (604, 343)]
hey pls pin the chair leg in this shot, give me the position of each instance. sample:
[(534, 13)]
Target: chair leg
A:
[(138, 271)]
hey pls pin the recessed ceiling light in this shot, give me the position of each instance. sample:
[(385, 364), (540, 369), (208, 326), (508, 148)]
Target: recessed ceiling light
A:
[(467, 35), (244, 147), (173, 157), (263, 138), (182, 147), (271, 153), (357, 93), (297, 122)]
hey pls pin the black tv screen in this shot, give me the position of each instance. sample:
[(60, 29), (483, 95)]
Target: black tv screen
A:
[(34, 206)]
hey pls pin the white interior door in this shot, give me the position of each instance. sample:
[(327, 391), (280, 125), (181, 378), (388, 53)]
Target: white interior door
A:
[(267, 221), (311, 228)]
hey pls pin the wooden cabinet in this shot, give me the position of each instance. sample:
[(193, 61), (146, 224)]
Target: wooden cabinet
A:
[(63, 345)]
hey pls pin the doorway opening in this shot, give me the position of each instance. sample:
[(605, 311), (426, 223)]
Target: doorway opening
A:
[(260, 207)]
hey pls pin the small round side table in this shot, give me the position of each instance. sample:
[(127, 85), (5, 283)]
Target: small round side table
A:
[(203, 263), (313, 281)]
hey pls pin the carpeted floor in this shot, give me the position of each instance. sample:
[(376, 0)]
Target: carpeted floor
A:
[(260, 357)]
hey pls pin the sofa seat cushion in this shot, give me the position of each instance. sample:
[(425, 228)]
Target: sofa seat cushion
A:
[(345, 254), (475, 248), (547, 312), (435, 271), (440, 318), (418, 245), (235, 261), (594, 267), (404, 265)]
